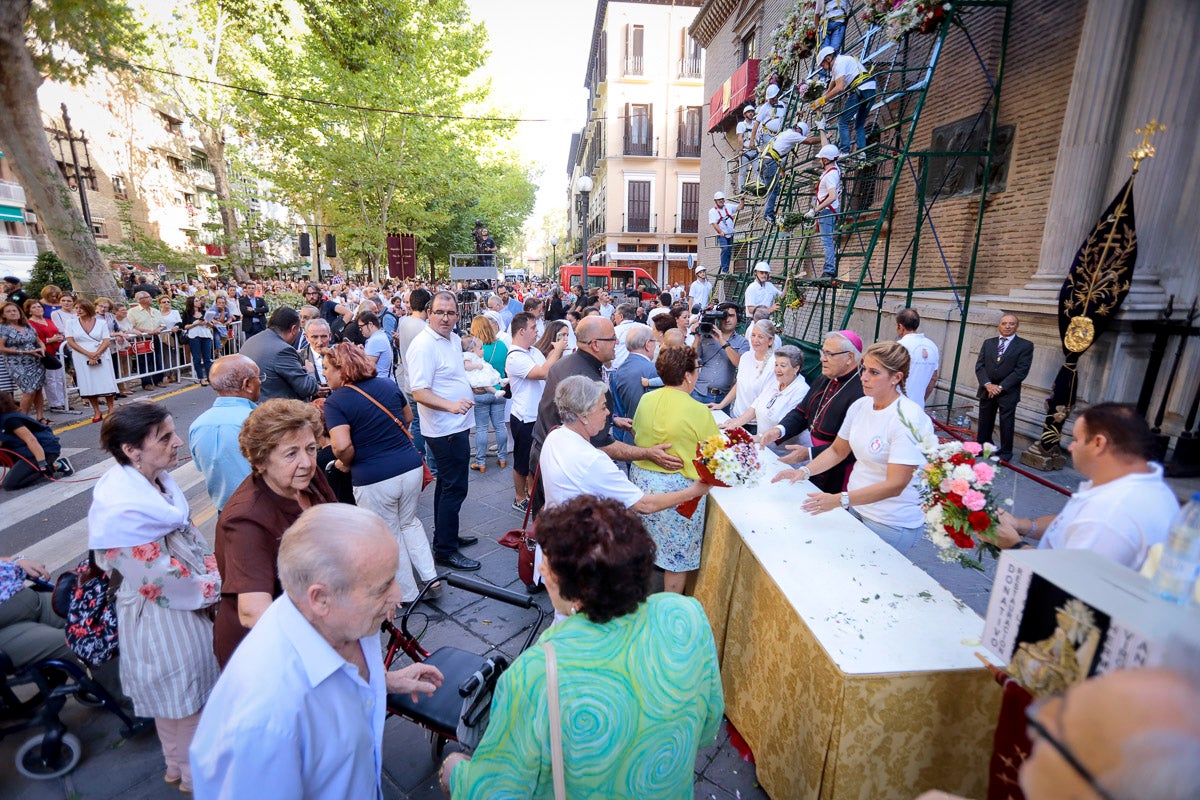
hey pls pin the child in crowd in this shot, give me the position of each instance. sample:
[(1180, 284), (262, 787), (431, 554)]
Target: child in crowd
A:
[(480, 374)]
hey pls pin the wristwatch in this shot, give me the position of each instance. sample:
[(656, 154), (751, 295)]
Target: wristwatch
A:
[(726, 345), (845, 499)]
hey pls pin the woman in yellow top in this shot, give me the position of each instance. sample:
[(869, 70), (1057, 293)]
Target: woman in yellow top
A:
[(670, 414)]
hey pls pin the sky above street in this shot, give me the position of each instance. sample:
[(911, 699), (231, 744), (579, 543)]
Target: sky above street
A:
[(538, 56)]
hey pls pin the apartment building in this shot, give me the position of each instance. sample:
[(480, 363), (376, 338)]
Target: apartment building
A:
[(18, 247), (643, 139)]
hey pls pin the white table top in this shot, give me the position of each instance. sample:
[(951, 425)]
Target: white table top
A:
[(871, 608)]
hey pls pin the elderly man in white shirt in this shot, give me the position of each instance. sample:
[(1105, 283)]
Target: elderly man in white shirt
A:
[(762, 293), (444, 401), (623, 319), (299, 709)]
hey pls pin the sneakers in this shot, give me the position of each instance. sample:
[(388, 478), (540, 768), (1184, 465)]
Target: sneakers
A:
[(63, 466), (521, 505)]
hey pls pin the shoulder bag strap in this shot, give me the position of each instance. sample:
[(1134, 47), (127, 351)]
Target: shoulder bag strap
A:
[(556, 748), (382, 408)]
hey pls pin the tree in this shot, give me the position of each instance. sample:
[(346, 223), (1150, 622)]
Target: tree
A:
[(64, 40), (48, 269)]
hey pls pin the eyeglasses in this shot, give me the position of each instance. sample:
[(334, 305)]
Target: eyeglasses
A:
[(601, 339), (1031, 714), (262, 376), (446, 314), (826, 354)]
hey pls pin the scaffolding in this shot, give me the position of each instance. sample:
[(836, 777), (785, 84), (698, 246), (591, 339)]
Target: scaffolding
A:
[(873, 259)]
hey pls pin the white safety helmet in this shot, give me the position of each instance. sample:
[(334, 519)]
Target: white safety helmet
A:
[(762, 266), (829, 152), (825, 53), (719, 196), (748, 110), (801, 126), (772, 91), (700, 269)]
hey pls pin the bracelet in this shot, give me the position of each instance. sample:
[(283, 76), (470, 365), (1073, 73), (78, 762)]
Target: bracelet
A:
[(807, 472), (1032, 526)]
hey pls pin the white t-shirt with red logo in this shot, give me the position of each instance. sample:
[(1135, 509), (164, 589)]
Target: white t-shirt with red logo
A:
[(879, 438)]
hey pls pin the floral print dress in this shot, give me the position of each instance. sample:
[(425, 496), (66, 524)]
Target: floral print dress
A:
[(26, 369), (168, 590)]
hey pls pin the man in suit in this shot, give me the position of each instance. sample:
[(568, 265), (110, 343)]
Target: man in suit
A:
[(254, 310), (284, 374), (1003, 363), (627, 382), (318, 336)]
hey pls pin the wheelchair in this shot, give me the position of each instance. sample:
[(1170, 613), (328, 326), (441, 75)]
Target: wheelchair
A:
[(464, 699), (55, 751)]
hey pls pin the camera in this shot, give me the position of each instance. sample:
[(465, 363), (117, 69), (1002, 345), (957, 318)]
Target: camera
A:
[(710, 319)]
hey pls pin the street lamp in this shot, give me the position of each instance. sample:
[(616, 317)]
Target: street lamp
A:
[(554, 256), (583, 185)]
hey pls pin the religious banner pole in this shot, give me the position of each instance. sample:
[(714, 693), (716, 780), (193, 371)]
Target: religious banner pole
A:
[(1089, 300)]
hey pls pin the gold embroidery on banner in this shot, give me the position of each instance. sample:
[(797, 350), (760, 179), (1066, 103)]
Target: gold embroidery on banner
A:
[(1079, 335)]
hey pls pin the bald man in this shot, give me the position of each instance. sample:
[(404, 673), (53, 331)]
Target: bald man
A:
[(213, 436), (597, 341), (300, 707), (1133, 734)]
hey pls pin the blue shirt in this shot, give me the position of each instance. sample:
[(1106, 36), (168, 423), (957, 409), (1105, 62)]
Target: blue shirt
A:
[(381, 450), (213, 441), (291, 718)]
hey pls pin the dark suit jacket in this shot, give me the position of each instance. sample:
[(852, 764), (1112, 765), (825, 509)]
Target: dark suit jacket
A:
[(626, 384), (252, 307), (1009, 372), (281, 364), (306, 356)]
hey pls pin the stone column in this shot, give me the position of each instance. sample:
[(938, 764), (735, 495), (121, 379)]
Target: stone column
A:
[(1091, 132)]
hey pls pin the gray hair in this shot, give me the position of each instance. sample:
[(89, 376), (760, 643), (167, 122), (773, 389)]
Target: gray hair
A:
[(576, 396), (764, 326), (316, 322), (846, 344), (308, 312), (228, 373), (792, 354), (495, 303), (320, 546), (637, 337)]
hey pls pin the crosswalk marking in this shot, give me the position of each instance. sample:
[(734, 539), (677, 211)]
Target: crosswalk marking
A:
[(63, 548)]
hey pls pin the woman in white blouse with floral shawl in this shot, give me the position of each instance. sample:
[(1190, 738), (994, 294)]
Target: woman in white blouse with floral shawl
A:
[(139, 526)]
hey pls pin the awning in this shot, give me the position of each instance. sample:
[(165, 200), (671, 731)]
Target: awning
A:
[(12, 214), (737, 90)]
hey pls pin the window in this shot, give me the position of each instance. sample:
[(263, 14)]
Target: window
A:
[(99, 230), (690, 66), (200, 160), (175, 163), (689, 132), (118, 184), (638, 217), (689, 208), (681, 248), (88, 173), (750, 45), (170, 124), (189, 200), (602, 58), (635, 36), (639, 130)]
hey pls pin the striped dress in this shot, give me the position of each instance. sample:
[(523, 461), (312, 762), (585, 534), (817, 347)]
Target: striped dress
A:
[(168, 588)]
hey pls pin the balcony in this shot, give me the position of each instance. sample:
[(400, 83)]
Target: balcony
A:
[(203, 178), (689, 225), (688, 149), (690, 68), (12, 194), (635, 66), (737, 90), (18, 246)]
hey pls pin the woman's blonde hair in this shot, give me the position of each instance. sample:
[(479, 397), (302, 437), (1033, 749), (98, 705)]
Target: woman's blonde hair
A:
[(481, 329), (893, 357)]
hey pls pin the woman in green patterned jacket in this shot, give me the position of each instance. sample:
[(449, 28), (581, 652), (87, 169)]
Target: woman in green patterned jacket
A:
[(637, 676)]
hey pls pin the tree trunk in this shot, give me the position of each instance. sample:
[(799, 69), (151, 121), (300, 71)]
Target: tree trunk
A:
[(23, 142), (213, 142)]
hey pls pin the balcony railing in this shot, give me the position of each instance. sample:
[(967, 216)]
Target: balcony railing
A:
[(18, 245), (635, 65), (689, 225), (12, 193), (690, 67), (689, 149), (639, 224)]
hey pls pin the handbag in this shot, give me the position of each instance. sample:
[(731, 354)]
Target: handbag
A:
[(556, 748), (524, 539), (426, 474), (82, 596), (51, 362)]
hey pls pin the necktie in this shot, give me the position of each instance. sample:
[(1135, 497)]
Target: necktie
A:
[(1001, 348)]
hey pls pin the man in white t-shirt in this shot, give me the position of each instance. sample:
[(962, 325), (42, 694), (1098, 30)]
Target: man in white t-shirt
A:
[(827, 205), (749, 148), (1123, 508), (444, 402), (720, 219), (768, 117), (923, 357), (701, 288), (762, 293), (605, 305), (844, 71), (774, 156), (526, 368), (676, 292), (623, 320)]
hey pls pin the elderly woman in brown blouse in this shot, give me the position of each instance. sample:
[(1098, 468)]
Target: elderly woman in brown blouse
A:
[(279, 439)]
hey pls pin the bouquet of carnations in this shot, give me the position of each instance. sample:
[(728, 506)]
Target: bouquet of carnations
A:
[(730, 458), (957, 492), (898, 17), (813, 88)]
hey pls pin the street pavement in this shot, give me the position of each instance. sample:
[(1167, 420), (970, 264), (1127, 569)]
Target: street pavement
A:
[(48, 523)]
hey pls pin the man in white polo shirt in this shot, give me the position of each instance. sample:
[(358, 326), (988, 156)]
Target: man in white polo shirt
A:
[(444, 402), (700, 289), (527, 369), (763, 293), (923, 356)]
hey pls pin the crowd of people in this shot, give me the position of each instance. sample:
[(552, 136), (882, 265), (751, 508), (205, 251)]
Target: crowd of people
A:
[(364, 394)]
